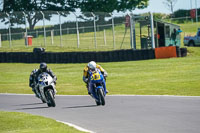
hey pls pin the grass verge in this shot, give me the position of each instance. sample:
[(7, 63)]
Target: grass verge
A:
[(174, 76), (13, 122)]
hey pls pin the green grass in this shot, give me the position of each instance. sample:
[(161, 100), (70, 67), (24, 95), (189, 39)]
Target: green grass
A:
[(174, 76), (13, 122)]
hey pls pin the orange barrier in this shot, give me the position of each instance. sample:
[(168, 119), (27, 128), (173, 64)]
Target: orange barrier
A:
[(165, 52)]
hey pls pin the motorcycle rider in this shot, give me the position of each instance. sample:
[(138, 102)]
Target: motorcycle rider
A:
[(91, 66), (36, 72)]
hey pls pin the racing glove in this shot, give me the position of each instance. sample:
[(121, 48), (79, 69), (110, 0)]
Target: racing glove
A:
[(105, 74)]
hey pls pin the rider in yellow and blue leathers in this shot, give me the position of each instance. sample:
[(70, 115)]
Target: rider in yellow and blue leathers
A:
[(91, 67), (96, 81)]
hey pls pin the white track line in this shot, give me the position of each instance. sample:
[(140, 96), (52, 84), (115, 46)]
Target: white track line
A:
[(76, 127)]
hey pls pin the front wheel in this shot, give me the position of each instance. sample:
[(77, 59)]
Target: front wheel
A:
[(43, 101), (50, 99), (101, 97), (98, 103)]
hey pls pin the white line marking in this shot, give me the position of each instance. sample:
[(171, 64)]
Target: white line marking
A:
[(76, 127)]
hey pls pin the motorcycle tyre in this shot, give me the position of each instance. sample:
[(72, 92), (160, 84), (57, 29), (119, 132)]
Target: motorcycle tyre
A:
[(43, 101), (101, 97), (98, 103), (50, 99)]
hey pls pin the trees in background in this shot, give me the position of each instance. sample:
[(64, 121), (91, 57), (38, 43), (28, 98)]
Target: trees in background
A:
[(103, 7), (170, 5), (32, 8), (111, 5)]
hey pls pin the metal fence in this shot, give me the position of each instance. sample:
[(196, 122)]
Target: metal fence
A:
[(64, 29), (72, 31)]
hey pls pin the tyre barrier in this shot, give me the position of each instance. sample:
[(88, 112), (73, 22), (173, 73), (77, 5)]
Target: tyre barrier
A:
[(80, 57), (178, 51), (76, 57), (183, 52)]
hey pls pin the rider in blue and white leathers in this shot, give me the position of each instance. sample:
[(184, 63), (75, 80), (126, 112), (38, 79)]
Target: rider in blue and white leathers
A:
[(36, 72)]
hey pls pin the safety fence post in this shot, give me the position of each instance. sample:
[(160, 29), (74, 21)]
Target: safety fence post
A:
[(113, 30), (95, 36), (52, 36), (44, 28), (152, 30), (10, 38), (104, 34), (77, 31), (196, 11), (131, 30), (60, 29), (26, 33)]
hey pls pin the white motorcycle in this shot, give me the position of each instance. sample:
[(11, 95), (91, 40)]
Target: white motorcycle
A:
[(45, 89)]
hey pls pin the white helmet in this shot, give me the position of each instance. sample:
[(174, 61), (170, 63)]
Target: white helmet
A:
[(92, 65)]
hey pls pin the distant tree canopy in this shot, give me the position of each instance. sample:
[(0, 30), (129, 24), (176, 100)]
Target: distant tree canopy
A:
[(32, 8), (111, 5), (184, 13), (39, 5), (170, 4), (102, 7)]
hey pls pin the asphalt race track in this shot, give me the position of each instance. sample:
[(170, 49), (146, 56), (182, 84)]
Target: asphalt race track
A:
[(121, 114)]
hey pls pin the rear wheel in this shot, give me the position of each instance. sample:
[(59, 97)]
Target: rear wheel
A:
[(101, 97), (50, 99)]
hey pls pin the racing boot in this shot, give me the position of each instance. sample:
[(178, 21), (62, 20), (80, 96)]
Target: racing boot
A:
[(36, 94), (87, 86), (89, 93)]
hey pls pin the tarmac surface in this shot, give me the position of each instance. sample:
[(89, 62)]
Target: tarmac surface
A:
[(121, 114)]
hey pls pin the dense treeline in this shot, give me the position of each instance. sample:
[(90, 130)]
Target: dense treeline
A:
[(33, 8), (183, 13)]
